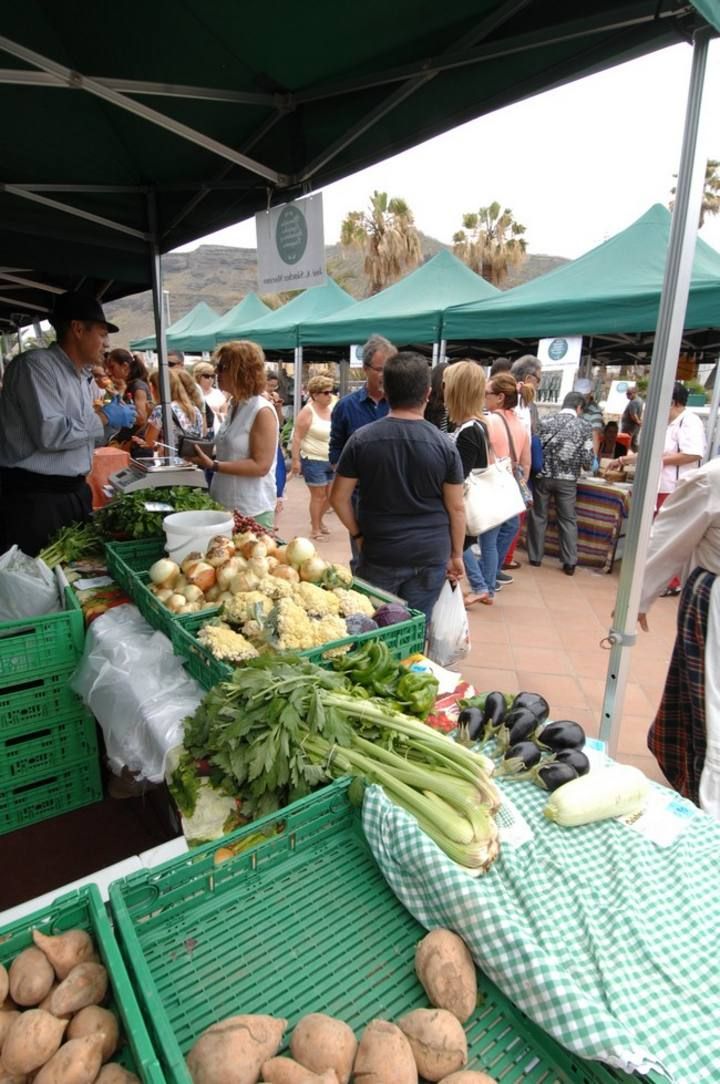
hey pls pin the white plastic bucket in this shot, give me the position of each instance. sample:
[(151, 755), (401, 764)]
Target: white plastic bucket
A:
[(190, 532)]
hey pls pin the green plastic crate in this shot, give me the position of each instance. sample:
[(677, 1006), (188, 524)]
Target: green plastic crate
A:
[(66, 787), (83, 909), (124, 558), (36, 645), (302, 922), (46, 747), (35, 700), (403, 639)]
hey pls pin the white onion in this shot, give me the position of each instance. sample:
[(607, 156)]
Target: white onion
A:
[(164, 571), (285, 572), (190, 560), (259, 550), (201, 574), (244, 581), (213, 594), (226, 596), (192, 593), (176, 603), (227, 572), (313, 569), (163, 593), (259, 566), (299, 551)]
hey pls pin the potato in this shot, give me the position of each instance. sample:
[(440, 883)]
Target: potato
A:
[(233, 1050), (65, 950), (447, 972), (77, 1062), (31, 1041), (93, 1020), (7, 1019), (85, 985), (438, 1041), (4, 983), (320, 1042), (468, 1076), (112, 1073), (287, 1071), (384, 1056), (31, 976), (7, 1077)]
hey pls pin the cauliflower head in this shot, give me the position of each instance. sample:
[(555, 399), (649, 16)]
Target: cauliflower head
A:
[(226, 644), (294, 628), (316, 600), (327, 628), (242, 606), (273, 587), (352, 602)]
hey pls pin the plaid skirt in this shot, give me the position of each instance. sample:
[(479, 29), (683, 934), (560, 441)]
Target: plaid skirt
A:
[(677, 736)]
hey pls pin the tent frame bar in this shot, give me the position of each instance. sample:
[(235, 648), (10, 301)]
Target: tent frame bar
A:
[(160, 323), (78, 81), (668, 336), (67, 208), (20, 281), (22, 305)]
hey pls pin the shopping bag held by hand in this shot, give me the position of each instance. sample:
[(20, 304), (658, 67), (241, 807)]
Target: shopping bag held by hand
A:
[(449, 632)]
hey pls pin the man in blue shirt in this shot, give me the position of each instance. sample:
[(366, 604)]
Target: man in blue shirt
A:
[(366, 404)]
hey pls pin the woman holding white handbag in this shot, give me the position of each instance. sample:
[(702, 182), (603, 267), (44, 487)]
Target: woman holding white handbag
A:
[(491, 492)]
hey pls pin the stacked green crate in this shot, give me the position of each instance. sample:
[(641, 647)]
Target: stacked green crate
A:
[(49, 761)]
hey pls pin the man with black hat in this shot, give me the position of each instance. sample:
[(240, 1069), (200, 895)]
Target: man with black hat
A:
[(49, 427)]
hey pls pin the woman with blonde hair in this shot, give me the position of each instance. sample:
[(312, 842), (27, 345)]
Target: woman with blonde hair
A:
[(464, 388), (247, 442), (311, 450), (187, 417)]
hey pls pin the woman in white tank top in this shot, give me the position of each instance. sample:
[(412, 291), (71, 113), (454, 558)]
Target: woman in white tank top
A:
[(246, 444), (311, 450)]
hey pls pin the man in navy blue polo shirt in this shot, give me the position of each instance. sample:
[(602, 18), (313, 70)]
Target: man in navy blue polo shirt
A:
[(366, 404)]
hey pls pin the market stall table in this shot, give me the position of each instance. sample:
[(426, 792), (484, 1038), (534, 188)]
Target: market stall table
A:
[(106, 461), (602, 508)]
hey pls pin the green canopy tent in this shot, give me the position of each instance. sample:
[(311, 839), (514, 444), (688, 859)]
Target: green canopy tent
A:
[(250, 309), (280, 329), (409, 311), (199, 316), (613, 290)]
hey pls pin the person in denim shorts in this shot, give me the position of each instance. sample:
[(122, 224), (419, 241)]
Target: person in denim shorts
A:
[(310, 450)]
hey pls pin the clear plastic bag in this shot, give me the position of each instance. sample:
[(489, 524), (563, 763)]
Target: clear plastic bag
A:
[(137, 689), (27, 586), (449, 632)]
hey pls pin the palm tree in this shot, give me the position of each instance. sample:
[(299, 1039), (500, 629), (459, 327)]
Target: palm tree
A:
[(711, 191), (386, 233), (491, 242)]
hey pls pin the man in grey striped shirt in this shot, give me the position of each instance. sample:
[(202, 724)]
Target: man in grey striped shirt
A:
[(49, 427)]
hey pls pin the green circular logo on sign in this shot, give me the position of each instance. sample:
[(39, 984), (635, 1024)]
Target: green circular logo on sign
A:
[(558, 349), (291, 235)]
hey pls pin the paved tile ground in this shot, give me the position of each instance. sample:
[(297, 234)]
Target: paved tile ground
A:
[(544, 634)]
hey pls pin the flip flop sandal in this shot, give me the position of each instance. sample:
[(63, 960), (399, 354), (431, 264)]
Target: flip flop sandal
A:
[(473, 600)]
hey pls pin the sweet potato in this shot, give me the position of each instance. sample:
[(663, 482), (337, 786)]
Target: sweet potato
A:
[(77, 1061), (31, 1041), (4, 983), (93, 1020), (438, 1041), (320, 1042), (7, 1019), (65, 950), (447, 972), (287, 1071), (384, 1056), (112, 1073), (6, 1077), (233, 1050), (31, 976), (85, 985), (468, 1076)]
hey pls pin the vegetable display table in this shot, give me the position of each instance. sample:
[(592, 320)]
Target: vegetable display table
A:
[(106, 461), (601, 511)]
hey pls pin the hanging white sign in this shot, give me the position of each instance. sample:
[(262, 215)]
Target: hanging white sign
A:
[(291, 246)]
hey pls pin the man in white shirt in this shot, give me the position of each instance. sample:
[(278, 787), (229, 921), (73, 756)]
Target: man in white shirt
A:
[(684, 444)]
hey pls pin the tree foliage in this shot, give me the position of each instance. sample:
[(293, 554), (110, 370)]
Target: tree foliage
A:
[(491, 242), (711, 191), (387, 235)]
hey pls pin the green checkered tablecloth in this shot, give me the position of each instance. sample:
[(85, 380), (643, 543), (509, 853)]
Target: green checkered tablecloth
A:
[(607, 941)]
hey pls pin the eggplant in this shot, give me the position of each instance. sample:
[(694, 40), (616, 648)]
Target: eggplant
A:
[(494, 710), (535, 703), (474, 720), (575, 758), (552, 776), (522, 729), (564, 734), (526, 753)]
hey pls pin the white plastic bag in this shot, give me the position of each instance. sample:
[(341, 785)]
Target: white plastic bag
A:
[(449, 632), (27, 586), (137, 689)]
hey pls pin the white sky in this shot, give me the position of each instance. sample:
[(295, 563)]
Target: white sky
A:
[(575, 165)]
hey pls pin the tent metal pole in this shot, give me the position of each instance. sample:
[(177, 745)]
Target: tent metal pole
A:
[(441, 351), (435, 352), (160, 325), (713, 428), (297, 390), (344, 381), (668, 337)]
